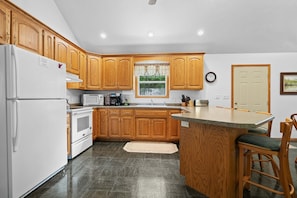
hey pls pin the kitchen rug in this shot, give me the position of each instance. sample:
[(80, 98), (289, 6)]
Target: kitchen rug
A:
[(150, 147)]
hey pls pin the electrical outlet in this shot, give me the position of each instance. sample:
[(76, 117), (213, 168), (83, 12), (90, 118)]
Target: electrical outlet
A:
[(185, 124)]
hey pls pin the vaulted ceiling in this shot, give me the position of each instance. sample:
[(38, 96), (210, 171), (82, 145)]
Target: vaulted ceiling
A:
[(229, 26)]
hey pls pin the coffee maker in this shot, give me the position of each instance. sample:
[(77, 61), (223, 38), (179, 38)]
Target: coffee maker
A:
[(115, 99)]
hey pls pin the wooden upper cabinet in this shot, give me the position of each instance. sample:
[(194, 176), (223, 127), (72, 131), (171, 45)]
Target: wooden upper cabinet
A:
[(82, 73), (186, 72), (26, 33), (109, 73), (73, 60), (178, 72), (94, 73), (117, 73), (194, 75), (48, 44), (4, 24), (61, 50)]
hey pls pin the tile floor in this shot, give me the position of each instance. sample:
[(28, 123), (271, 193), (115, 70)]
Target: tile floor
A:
[(106, 170)]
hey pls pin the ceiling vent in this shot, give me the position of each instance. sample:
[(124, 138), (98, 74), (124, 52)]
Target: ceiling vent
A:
[(152, 2)]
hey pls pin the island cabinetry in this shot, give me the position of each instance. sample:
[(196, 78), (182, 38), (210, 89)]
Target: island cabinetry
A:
[(26, 33), (150, 124), (117, 73), (4, 24), (186, 72), (94, 72), (173, 126)]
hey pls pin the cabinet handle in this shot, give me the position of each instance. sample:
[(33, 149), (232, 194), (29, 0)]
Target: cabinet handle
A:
[(14, 38)]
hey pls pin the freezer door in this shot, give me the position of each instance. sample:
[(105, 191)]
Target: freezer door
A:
[(30, 75), (39, 144)]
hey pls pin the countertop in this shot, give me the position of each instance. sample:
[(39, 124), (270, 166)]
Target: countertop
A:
[(223, 117)]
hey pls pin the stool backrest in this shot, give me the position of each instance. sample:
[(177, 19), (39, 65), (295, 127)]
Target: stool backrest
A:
[(294, 119), (286, 129)]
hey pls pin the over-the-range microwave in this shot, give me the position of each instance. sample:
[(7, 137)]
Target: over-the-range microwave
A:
[(92, 99)]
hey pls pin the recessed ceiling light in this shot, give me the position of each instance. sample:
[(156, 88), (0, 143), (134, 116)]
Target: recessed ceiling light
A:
[(103, 35), (150, 34), (200, 32)]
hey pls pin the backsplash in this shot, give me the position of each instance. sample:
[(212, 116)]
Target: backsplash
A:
[(73, 96)]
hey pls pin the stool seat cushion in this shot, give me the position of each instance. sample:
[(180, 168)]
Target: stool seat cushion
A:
[(259, 130), (260, 141)]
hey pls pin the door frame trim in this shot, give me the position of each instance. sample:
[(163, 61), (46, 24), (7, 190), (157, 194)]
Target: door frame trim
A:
[(251, 65)]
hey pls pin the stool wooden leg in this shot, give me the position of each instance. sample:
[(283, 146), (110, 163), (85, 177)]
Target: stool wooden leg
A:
[(240, 172)]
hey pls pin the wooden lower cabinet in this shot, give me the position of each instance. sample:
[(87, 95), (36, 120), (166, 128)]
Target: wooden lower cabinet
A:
[(150, 124), (135, 124), (173, 126), (101, 122), (121, 123)]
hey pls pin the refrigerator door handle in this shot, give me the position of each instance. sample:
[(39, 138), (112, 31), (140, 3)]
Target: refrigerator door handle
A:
[(14, 73), (15, 130)]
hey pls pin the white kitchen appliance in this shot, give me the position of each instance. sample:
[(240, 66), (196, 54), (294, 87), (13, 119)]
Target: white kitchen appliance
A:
[(33, 144), (92, 99), (81, 130)]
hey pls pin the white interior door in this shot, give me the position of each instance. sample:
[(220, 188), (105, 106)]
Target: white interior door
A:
[(251, 87)]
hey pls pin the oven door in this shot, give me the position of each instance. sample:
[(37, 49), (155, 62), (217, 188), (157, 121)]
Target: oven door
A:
[(81, 124)]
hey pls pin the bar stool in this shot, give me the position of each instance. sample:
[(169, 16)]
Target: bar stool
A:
[(263, 131), (265, 146)]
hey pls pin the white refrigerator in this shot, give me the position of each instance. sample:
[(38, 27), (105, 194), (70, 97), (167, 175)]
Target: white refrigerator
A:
[(33, 144)]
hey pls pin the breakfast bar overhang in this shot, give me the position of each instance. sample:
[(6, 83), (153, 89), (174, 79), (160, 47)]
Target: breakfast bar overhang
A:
[(208, 150)]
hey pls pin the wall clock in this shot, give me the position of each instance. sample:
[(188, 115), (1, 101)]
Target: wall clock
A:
[(210, 77)]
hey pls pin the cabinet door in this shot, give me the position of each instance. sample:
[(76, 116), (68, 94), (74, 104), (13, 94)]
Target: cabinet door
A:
[(4, 24), (124, 73), (109, 73), (127, 127), (194, 75), (127, 123), (114, 126), (61, 50), (178, 72), (143, 128), (48, 44), (94, 73), (158, 128), (103, 124), (83, 70), (82, 73), (73, 60), (26, 33), (173, 126)]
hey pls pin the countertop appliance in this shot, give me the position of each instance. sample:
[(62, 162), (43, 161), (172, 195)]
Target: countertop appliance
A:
[(115, 99), (33, 144), (92, 99), (80, 130)]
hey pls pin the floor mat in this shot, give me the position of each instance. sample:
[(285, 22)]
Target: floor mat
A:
[(150, 147)]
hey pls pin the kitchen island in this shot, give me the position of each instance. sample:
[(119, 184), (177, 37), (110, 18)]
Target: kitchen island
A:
[(208, 150)]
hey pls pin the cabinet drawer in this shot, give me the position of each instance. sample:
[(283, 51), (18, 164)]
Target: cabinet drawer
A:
[(127, 112), (151, 113), (113, 112)]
